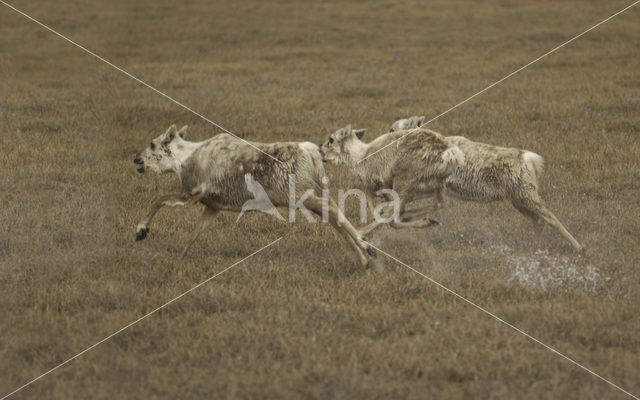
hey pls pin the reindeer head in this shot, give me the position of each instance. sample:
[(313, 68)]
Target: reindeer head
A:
[(163, 153), (342, 144), (407, 124)]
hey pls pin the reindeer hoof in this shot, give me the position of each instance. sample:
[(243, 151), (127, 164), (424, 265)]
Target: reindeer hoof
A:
[(372, 252), (141, 233)]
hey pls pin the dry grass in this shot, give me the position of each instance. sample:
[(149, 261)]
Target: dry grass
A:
[(301, 320)]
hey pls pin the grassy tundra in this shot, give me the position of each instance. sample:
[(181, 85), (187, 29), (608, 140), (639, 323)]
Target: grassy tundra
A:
[(302, 319)]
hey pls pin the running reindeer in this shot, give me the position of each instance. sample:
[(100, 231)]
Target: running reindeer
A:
[(492, 173), (414, 167), (214, 173)]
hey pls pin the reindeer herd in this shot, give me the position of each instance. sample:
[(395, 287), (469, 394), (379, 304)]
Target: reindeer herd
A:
[(412, 162)]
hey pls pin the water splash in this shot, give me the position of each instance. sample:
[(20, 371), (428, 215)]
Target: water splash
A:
[(543, 270)]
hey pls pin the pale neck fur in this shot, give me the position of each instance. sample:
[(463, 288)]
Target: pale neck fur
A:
[(355, 151), (182, 150)]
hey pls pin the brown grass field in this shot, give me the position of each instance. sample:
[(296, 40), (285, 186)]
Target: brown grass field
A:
[(302, 319)]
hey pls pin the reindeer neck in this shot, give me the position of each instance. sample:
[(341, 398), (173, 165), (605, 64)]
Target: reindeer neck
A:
[(182, 151), (357, 151)]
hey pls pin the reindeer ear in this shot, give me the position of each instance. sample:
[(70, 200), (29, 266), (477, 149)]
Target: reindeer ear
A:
[(183, 132), (344, 132), (169, 135), (359, 133)]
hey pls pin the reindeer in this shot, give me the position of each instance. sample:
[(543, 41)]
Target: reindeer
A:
[(414, 168), (215, 172), (492, 173)]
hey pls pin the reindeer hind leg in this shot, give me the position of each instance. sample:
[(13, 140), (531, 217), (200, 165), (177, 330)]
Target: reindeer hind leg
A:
[(551, 219), (343, 226), (538, 213)]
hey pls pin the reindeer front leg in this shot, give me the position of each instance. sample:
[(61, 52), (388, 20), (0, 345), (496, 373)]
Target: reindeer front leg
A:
[(171, 200), (207, 216), (420, 217)]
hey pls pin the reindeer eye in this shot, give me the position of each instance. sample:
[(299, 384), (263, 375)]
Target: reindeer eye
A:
[(152, 146), (330, 140)]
